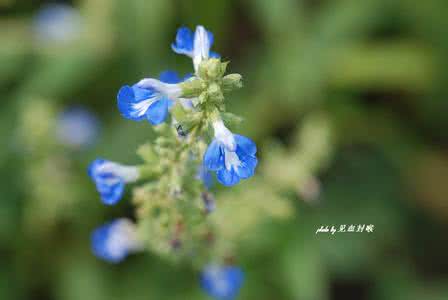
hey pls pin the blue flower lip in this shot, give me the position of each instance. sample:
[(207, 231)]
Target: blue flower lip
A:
[(110, 179), (195, 45), (114, 241), (231, 166)]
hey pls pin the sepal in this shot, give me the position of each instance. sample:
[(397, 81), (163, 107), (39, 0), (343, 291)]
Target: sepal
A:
[(192, 88), (186, 119)]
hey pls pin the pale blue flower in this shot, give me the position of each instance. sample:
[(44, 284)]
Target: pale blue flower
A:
[(231, 156), (77, 127), (115, 240), (110, 179), (150, 98), (57, 23)]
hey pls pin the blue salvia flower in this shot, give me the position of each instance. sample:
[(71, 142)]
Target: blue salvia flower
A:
[(150, 98), (222, 283), (232, 156), (110, 179), (77, 127), (115, 240), (197, 45), (57, 23)]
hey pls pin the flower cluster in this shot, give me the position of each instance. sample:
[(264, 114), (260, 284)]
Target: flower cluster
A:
[(115, 240), (172, 205)]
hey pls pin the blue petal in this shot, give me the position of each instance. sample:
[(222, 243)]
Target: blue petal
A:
[(213, 54), (187, 76), (184, 41), (112, 194), (93, 165), (142, 94), (169, 77), (228, 177), (99, 240), (211, 38), (213, 157), (247, 167), (127, 99), (245, 144), (158, 111), (109, 185)]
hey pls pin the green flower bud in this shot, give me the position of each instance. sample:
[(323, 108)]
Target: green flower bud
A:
[(231, 82), (212, 69)]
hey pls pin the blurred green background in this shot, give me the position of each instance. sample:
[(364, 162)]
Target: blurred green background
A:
[(346, 100)]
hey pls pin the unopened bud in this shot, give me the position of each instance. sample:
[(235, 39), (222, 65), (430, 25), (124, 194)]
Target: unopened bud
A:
[(212, 69), (231, 82)]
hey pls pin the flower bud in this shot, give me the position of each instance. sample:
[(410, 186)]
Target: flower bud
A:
[(231, 82), (212, 69)]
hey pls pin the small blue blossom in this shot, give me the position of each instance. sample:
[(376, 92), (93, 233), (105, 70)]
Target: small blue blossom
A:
[(222, 283), (77, 127), (232, 156), (150, 98), (110, 179), (57, 23), (115, 240), (197, 45)]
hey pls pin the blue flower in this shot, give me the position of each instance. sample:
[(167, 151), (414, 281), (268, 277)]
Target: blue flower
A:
[(232, 156), (77, 127), (197, 45), (110, 179), (115, 240), (57, 23), (222, 283), (149, 98)]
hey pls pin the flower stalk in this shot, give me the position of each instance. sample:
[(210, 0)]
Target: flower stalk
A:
[(173, 198)]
